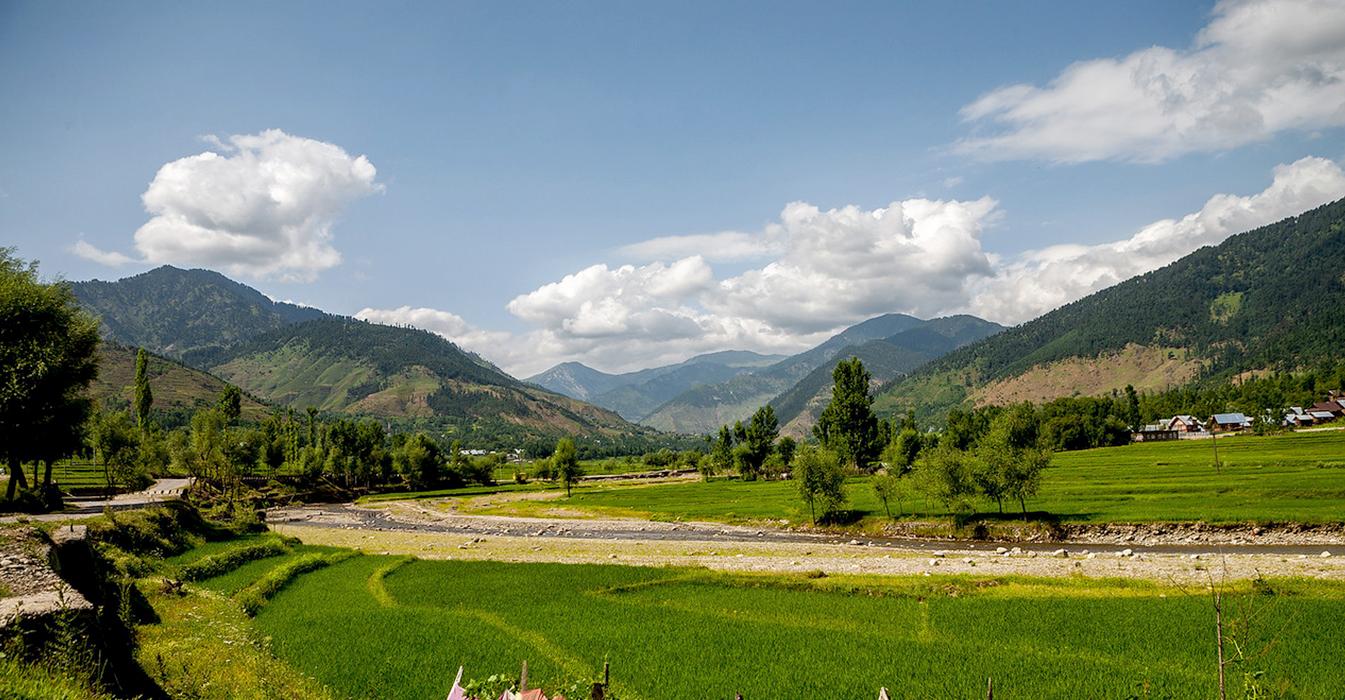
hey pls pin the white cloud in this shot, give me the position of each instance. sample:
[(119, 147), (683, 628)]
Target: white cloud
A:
[(726, 246), (844, 265), (1037, 281), (951, 182), (836, 267), (264, 207), (88, 251), (449, 325), (1258, 68)]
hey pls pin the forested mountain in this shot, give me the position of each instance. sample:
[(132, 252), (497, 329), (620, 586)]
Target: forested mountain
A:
[(888, 358), (635, 394), (177, 312), (299, 357), (705, 408), (1271, 298)]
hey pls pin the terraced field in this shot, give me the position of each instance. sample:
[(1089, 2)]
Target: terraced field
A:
[(378, 626)]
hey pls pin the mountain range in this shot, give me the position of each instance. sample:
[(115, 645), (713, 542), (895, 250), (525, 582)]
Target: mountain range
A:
[(1268, 299), (707, 391), (300, 357)]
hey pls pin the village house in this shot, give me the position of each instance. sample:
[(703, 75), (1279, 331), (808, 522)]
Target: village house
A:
[(1185, 424), (1154, 432), (1229, 422)]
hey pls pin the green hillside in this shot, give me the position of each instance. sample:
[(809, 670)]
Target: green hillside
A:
[(177, 388), (1272, 298), (345, 365), (181, 313)]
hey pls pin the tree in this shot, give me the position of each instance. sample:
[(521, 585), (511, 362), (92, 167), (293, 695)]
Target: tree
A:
[(847, 425), (1008, 461), (419, 461), (565, 463), (144, 397), (821, 481), (117, 446), (749, 445), (48, 357), (786, 447), (885, 488), (902, 453), (721, 452), (943, 473), (231, 403)]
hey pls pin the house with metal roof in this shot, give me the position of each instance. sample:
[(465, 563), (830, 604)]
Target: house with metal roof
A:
[(1225, 422)]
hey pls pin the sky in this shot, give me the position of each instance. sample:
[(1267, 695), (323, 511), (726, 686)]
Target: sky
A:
[(627, 185)]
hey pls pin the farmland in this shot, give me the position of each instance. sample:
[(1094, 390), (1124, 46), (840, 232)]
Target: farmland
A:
[(385, 626), (1297, 477)]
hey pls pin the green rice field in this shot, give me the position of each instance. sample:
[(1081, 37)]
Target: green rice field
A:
[(1297, 477), (376, 626)]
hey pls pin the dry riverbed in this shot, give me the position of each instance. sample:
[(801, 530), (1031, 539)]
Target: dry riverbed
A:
[(420, 529)]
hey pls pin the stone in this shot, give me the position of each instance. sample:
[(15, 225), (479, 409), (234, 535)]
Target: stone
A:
[(1324, 555), (1126, 553)]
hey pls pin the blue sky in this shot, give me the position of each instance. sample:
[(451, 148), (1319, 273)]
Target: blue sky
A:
[(518, 144)]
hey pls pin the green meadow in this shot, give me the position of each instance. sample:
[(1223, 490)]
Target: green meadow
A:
[(1296, 477), (375, 626)]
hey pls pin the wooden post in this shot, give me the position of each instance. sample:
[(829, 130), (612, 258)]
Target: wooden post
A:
[(606, 673), (989, 688), (523, 677)]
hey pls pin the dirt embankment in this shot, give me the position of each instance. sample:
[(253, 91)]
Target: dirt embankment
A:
[(1122, 534)]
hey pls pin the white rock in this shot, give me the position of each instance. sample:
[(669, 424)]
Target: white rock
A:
[(1001, 550), (933, 562), (1126, 553), (1060, 553), (1325, 554), (939, 553)]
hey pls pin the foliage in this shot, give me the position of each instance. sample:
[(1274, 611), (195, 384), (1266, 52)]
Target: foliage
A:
[(47, 360), (565, 462), (144, 395), (847, 425), (820, 479), (419, 461)]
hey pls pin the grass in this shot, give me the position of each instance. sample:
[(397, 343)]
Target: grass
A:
[(223, 562), (379, 627), (204, 646), (1283, 478), (20, 681)]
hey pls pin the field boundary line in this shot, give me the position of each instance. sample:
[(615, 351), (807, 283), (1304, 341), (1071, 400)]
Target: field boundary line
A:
[(378, 589)]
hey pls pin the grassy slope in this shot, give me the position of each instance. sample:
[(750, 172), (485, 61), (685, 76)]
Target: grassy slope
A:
[(676, 633), (1281, 478), (174, 385)]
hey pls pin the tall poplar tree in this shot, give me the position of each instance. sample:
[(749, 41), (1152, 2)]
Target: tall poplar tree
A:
[(144, 397)]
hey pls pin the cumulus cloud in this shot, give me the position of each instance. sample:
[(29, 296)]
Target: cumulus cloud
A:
[(263, 206), (843, 265), (835, 267), (1037, 281), (88, 251), (1258, 68)]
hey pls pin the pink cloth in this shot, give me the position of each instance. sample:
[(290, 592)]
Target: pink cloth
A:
[(457, 693)]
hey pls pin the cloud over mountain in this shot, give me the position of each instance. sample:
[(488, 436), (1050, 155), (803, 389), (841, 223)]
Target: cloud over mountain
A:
[(263, 206), (835, 267)]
